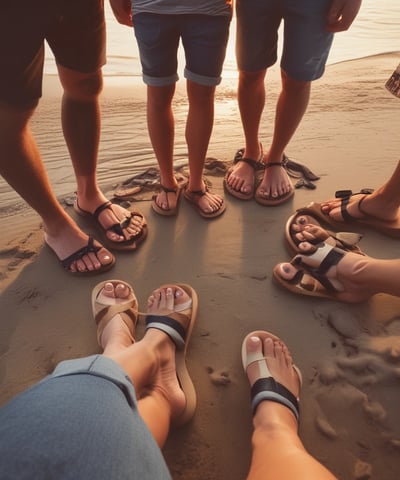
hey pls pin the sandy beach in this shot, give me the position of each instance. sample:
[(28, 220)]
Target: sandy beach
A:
[(349, 354)]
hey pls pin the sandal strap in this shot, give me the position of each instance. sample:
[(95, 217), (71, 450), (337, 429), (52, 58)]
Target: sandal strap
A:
[(274, 164), (101, 208), (117, 227), (199, 193), (172, 325), (168, 190), (332, 257), (345, 195), (255, 164), (109, 311), (90, 247), (269, 389)]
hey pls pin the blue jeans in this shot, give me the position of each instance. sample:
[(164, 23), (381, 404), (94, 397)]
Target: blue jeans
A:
[(81, 422)]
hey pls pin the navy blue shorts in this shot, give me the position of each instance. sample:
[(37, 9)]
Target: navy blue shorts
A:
[(306, 42), (204, 39)]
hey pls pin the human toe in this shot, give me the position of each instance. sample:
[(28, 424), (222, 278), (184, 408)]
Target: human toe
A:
[(121, 290), (286, 271)]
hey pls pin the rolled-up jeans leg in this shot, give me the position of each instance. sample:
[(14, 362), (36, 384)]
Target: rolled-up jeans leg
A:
[(80, 422)]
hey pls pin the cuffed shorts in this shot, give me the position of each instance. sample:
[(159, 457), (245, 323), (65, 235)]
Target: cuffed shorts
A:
[(204, 39), (74, 30), (306, 42)]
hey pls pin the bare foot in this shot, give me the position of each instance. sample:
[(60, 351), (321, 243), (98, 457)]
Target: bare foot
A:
[(304, 230), (242, 175), (348, 277), (116, 334), (167, 200), (111, 216), (67, 238), (375, 205), (279, 362), (275, 183), (207, 201), (164, 301), (210, 202)]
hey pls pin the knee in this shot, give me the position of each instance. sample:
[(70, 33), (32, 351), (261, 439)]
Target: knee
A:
[(13, 122), (84, 87), (251, 80), (200, 94), (291, 85), (160, 98)]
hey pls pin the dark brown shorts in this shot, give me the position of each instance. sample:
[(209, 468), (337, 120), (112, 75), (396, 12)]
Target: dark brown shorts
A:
[(73, 29)]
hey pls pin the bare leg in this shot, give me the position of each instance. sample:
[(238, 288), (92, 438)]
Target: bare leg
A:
[(360, 276), (149, 363), (278, 452), (251, 99), (22, 167), (383, 203), (160, 122), (199, 126), (81, 127), (291, 107)]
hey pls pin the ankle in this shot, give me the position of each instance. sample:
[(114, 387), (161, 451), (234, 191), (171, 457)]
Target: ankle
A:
[(274, 419), (60, 226), (87, 188)]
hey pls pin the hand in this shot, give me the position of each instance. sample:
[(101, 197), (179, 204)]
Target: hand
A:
[(122, 10), (341, 14)]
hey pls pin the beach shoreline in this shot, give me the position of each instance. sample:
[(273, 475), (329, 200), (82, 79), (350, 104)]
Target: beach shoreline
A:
[(349, 136)]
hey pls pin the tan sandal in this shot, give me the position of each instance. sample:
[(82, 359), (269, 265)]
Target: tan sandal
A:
[(127, 308)]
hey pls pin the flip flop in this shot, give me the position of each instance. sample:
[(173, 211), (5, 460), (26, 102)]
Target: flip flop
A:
[(273, 201), (178, 325), (193, 197), (389, 228), (90, 247), (167, 212), (256, 165), (106, 308), (312, 280), (345, 240), (126, 245), (266, 387)]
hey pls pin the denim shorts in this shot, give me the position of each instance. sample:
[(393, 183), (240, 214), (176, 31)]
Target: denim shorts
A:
[(204, 39), (74, 30), (306, 42), (81, 422)]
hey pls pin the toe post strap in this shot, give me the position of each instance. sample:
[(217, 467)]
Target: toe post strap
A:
[(79, 254)]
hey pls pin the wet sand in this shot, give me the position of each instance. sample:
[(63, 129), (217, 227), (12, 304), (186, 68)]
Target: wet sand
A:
[(349, 354)]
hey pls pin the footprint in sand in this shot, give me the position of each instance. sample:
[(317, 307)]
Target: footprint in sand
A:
[(220, 378), (357, 393)]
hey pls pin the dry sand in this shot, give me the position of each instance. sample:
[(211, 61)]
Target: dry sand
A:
[(349, 354)]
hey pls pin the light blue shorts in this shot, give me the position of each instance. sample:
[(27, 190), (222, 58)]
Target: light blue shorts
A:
[(81, 422), (204, 39), (306, 42)]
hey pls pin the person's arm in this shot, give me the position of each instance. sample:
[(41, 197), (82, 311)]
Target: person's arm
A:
[(122, 10), (341, 14)]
